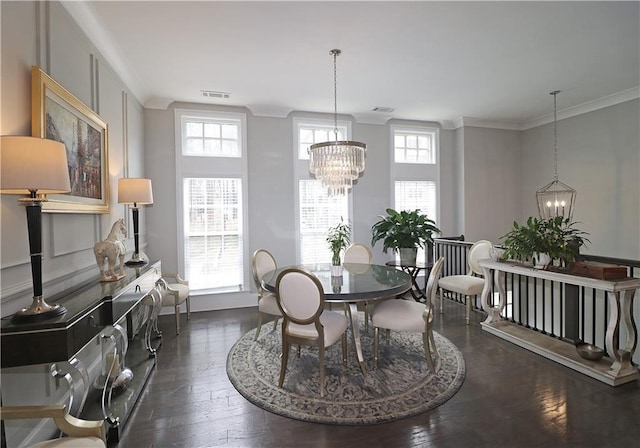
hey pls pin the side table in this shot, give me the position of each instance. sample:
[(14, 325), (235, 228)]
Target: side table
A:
[(414, 270)]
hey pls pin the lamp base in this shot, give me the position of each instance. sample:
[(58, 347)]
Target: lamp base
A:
[(39, 310), (137, 259)]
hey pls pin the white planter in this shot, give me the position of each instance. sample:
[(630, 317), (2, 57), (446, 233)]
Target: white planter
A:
[(408, 256), (541, 261)]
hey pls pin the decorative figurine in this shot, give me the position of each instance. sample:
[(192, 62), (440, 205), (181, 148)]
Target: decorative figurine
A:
[(111, 249)]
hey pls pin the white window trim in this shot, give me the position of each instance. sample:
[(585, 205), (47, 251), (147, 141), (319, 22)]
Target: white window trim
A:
[(301, 169), (225, 170)]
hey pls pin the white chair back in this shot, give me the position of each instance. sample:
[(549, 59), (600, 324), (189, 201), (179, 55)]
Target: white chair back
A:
[(432, 281), (300, 296), (480, 250), (357, 253), (262, 262)]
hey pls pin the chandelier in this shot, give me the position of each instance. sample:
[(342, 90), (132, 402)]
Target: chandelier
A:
[(336, 163), (556, 198)]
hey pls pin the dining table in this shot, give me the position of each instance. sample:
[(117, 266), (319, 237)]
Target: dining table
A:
[(358, 283)]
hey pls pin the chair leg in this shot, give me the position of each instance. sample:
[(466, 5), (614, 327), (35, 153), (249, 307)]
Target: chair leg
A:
[(468, 310), (188, 300), (344, 348), (321, 367), (376, 339), (366, 316), (285, 359), (441, 301), (177, 311), (259, 325), (427, 351)]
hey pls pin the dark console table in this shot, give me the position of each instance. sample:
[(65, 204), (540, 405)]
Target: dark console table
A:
[(91, 308)]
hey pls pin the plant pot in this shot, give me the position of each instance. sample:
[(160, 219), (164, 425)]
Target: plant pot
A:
[(336, 271), (408, 255), (541, 261)]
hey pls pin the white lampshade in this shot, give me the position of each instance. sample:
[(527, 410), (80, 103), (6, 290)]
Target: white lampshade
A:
[(135, 191), (33, 164)]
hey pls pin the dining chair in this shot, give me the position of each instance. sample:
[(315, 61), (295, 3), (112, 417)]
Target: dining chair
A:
[(174, 294), (300, 297), (468, 285), (262, 262), (410, 316), (81, 433), (359, 253)]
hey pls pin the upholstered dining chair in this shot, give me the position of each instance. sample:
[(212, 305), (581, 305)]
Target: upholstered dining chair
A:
[(174, 294), (468, 285), (411, 316), (300, 297), (359, 253), (81, 433), (262, 262)]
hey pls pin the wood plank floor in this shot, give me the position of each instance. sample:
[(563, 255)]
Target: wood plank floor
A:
[(510, 398)]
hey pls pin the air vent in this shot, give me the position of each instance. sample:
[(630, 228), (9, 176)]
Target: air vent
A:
[(214, 94), (386, 110)]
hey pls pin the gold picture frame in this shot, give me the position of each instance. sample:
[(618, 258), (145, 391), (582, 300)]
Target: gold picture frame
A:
[(58, 115)]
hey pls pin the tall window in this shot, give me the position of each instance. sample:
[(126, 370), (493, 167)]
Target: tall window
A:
[(212, 227), (415, 171), (317, 211)]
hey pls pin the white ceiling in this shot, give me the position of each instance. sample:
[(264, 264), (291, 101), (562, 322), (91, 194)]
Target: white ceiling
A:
[(489, 62)]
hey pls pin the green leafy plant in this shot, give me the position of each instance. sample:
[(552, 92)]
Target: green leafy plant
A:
[(404, 229), (558, 237), (338, 237)]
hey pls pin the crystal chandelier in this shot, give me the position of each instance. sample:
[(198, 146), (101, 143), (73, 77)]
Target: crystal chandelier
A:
[(336, 163), (556, 198)]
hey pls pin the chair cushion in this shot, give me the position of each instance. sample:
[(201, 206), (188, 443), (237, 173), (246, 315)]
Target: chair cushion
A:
[(169, 298), (334, 325), (462, 284), (399, 315), (268, 304), (71, 442)]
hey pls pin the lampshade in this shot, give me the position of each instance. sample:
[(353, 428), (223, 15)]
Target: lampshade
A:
[(33, 164), (135, 191)]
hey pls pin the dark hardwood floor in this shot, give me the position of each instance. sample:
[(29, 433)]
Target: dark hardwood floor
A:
[(510, 398)]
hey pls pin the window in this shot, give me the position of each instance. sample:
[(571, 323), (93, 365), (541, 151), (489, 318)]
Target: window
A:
[(415, 172), (212, 208), (317, 211)]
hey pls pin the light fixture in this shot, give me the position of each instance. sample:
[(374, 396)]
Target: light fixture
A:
[(336, 163), (135, 192), (556, 198), (35, 167)]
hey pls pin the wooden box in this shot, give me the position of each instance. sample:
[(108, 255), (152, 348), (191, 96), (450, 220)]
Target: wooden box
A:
[(602, 271)]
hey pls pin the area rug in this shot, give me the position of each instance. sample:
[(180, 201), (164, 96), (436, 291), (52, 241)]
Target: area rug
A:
[(401, 386)]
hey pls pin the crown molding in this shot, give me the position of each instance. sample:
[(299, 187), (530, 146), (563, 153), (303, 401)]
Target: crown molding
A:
[(267, 110)]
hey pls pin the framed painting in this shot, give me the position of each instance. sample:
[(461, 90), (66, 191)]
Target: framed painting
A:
[(58, 115)]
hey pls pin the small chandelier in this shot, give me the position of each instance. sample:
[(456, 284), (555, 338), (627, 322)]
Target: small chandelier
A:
[(556, 198), (336, 163)]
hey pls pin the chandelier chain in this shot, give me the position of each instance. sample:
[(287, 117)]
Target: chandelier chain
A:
[(335, 54), (555, 132)]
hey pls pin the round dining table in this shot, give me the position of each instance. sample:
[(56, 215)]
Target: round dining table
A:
[(358, 283)]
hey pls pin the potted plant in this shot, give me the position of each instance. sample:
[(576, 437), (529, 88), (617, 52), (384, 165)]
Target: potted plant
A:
[(338, 237), (544, 240), (405, 232)]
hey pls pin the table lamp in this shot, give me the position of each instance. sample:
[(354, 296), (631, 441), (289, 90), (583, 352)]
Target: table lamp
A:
[(35, 167), (135, 192)]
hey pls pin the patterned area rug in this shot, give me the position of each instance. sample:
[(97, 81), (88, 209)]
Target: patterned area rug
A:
[(401, 386)]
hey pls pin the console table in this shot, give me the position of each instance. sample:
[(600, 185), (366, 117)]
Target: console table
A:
[(91, 308), (615, 370)]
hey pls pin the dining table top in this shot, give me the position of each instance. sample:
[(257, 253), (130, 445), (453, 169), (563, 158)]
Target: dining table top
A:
[(358, 282)]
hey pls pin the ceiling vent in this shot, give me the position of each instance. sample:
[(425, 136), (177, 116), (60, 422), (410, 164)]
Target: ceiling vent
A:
[(386, 110), (215, 94)]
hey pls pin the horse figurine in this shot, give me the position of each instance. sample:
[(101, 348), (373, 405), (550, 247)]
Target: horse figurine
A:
[(111, 249)]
